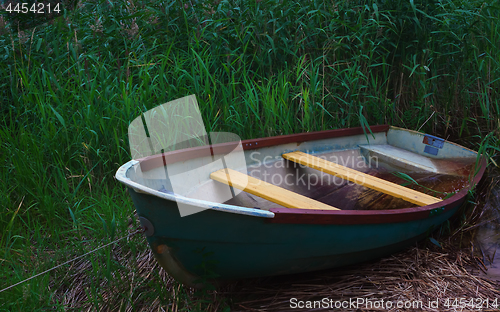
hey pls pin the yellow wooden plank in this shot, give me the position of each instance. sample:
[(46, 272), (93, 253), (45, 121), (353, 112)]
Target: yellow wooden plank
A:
[(267, 191), (361, 178)]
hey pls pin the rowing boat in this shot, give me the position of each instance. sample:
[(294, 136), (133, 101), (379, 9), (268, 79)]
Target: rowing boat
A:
[(296, 203)]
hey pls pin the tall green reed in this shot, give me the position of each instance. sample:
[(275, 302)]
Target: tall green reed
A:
[(69, 89)]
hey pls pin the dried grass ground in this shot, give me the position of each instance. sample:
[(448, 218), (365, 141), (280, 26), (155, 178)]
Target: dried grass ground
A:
[(416, 275)]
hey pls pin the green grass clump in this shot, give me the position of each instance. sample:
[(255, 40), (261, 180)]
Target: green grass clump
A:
[(70, 87)]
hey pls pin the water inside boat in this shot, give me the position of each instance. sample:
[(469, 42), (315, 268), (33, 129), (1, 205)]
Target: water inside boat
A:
[(453, 175)]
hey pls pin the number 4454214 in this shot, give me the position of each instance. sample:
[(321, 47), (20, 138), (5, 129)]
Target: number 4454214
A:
[(472, 304), (37, 8)]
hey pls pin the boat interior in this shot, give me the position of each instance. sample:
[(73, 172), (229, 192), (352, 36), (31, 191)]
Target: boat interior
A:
[(385, 170)]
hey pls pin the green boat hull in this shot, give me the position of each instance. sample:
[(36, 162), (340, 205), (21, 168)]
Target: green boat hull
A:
[(234, 246)]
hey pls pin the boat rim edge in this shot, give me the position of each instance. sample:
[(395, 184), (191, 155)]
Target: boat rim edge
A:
[(121, 176)]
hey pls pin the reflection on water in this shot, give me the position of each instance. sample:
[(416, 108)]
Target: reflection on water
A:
[(357, 197), (453, 176), (488, 234)]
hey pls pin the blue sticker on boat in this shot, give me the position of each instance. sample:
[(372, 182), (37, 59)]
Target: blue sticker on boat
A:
[(433, 143), (430, 150)]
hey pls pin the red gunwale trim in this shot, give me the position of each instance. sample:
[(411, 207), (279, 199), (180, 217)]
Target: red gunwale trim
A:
[(155, 161), (305, 216), (309, 136)]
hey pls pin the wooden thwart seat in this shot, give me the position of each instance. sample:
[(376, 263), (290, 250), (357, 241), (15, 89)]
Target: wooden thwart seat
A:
[(267, 191), (361, 178)]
